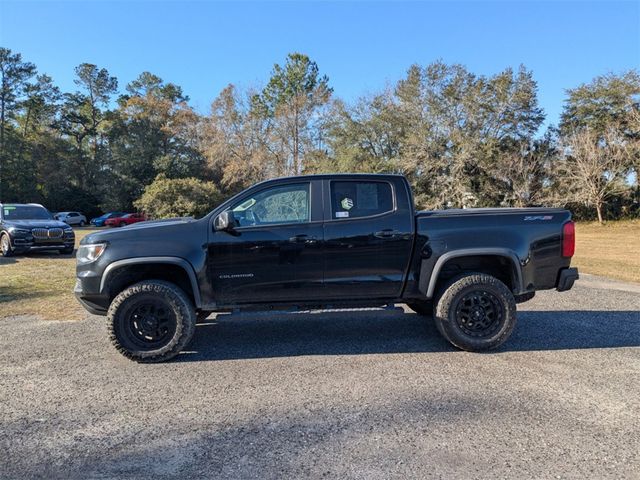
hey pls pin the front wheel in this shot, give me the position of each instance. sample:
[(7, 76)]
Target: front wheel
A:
[(151, 321), (5, 245), (476, 312), (123, 224)]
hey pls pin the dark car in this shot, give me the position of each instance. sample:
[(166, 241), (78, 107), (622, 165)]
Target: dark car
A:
[(125, 219), (99, 221), (26, 227), (324, 241)]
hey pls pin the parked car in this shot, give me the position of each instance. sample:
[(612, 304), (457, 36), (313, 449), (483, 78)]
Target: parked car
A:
[(71, 218), (125, 219), (320, 241), (99, 221), (25, 227)]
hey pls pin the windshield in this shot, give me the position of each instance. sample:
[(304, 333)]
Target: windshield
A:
[(25, 212)]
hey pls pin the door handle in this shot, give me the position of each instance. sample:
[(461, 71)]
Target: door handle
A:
[(386, 233), (303, 239)]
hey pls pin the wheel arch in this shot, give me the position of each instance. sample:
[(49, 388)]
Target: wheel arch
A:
[(123, 273), (488, 255)]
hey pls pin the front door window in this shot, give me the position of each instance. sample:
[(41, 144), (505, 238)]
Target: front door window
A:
[(285, 204)]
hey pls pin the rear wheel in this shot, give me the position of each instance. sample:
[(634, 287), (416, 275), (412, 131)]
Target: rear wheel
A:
[(5, 245), (151, 321), (476, 312), (82, 223)]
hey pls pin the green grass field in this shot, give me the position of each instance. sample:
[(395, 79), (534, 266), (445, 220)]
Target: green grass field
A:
[(42, 283), (611, 250)]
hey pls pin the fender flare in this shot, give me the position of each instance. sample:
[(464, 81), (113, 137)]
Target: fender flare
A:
[(180, 262), (468, 252)]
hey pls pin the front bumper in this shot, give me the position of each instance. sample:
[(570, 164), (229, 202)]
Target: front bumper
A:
[(94, 303), (29, 244), (566, 279)]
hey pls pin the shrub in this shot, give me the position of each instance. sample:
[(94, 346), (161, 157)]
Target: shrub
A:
[(179, 197)]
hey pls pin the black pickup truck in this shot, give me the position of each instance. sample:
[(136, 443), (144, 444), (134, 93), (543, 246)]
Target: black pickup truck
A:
[(324, 241)]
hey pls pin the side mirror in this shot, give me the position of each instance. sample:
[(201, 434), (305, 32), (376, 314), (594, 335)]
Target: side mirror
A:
[(225, 222)]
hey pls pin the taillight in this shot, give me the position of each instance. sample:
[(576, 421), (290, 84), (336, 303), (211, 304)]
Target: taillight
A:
[(568, 239)]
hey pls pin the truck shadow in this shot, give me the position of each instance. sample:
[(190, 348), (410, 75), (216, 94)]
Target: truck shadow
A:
[(246, 336)]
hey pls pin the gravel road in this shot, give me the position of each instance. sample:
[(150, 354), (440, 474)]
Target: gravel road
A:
[(368, 394)]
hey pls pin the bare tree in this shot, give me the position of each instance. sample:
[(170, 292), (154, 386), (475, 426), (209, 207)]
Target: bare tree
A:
[(523, 173), (234, 142), (594, 168)]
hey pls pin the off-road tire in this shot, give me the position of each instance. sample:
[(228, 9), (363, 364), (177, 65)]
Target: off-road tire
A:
[(170, 297), (455, 297), (5, 245), (424, 308), (525, 297)]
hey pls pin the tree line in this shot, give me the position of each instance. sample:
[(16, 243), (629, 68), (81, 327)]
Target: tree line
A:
[(462, 139)]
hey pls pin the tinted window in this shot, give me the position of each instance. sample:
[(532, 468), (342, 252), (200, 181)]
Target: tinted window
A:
[(282, 204), (25, 212), (353, 199)]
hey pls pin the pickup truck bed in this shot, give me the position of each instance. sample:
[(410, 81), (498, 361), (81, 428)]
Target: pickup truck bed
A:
[(528, 240)]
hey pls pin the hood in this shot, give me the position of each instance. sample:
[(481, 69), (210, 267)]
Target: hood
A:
[(146, 229), (29, 224)]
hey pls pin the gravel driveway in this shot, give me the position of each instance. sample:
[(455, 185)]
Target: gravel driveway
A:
[(368, 394)]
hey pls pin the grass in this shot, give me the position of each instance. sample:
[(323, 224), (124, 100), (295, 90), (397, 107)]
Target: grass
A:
[(42, 283), (611, 250)]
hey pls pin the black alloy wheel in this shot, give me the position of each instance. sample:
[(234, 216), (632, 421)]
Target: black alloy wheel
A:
[(149, 324), (479, 313), (475, 312), (151, 321)]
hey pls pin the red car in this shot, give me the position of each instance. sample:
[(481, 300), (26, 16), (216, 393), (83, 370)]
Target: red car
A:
[(125, 220)]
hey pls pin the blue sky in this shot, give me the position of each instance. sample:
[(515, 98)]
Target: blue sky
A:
[(361, 46)]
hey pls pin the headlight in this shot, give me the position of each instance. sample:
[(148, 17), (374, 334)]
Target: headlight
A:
[(91, 252), (19, 231)]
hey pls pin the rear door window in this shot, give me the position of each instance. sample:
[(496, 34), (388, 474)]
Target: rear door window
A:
[(357, 199)]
